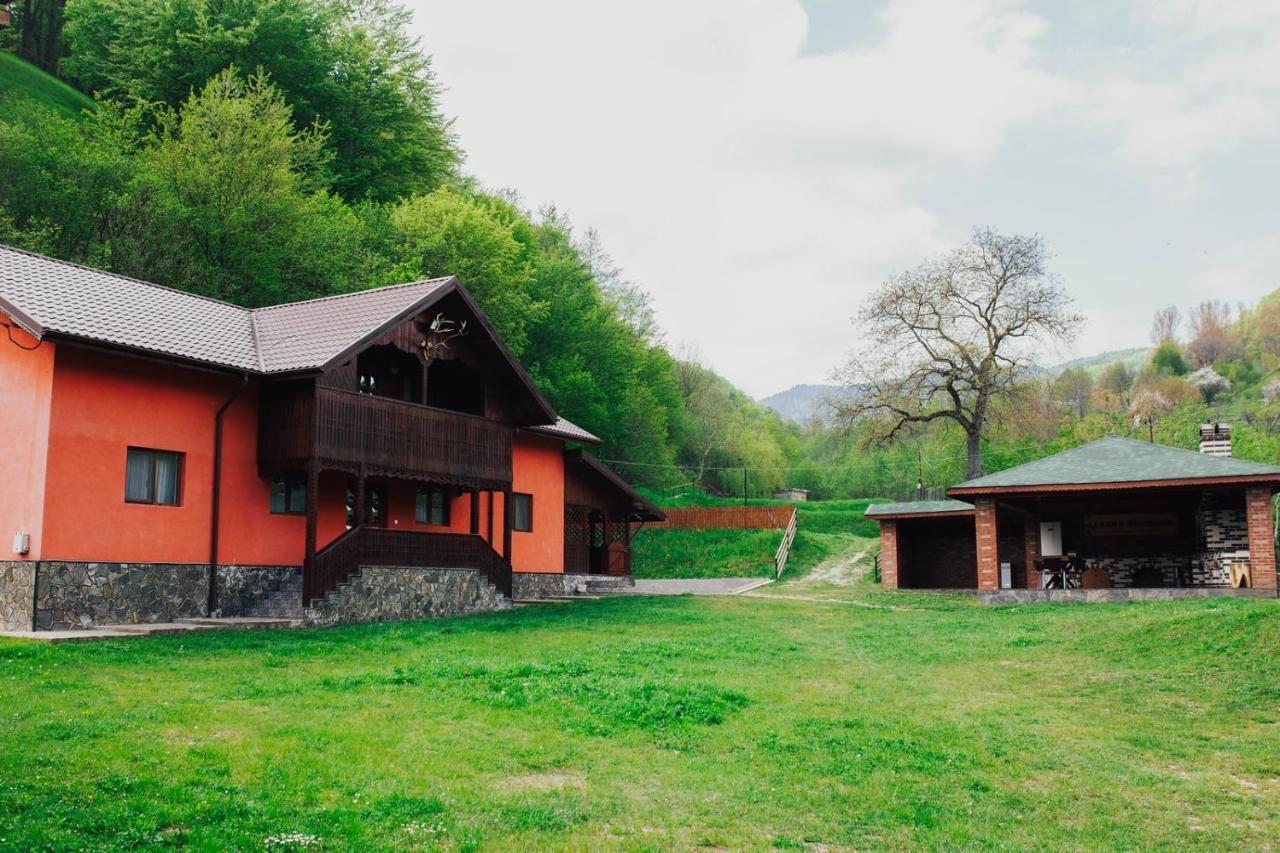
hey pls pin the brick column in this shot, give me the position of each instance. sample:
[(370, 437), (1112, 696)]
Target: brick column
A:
[(1031, 540), (889, 554), (988, 543), (1262, 547)]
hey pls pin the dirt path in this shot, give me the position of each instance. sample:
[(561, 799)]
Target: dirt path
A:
[(840, 570)]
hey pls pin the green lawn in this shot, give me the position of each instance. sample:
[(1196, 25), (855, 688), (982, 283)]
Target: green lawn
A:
[(18, 77), (876, 720)]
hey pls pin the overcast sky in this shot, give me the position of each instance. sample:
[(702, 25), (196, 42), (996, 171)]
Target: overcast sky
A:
[(760, 166)]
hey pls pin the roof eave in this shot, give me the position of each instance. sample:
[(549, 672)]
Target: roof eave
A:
[(24, 320), (1182, 483), (550, 432), (895, 516)]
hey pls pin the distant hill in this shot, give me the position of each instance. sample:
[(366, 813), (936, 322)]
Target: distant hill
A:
[(802, 403), (19, 78), (1135, 358)]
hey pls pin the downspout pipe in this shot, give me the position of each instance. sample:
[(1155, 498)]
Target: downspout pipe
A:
[(214, 516)]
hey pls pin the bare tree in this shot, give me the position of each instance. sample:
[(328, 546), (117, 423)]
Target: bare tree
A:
[(1164, 326), (948, 338), (1210, 332)]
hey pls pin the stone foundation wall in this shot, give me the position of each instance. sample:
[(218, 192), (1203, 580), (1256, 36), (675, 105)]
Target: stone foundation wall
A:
[(82, 595), (240, 586), (385, 593), (71, 595), (557, 584), (17, 594)]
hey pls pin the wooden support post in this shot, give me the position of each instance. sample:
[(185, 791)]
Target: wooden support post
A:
[(490, 525), (506, 524), (359, 508), (309, 548), (475, 509)]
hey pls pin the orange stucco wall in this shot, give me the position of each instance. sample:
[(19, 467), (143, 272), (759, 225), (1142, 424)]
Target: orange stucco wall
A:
[(538, 465), (101, 405), (98, 404), (26, 383)]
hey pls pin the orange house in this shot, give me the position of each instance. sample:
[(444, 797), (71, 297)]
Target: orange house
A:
[(374, 455)]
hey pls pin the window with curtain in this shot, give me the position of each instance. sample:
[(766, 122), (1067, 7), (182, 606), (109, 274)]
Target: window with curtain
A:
[(152, 476), (522, 512), (289, 494), (432, 506)]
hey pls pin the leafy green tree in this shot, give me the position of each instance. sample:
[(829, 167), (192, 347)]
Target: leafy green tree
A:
[(346, 64), (236, 203), (1074, 387), (64, 184), (455, 232), (1117, 378), (1167, 360)]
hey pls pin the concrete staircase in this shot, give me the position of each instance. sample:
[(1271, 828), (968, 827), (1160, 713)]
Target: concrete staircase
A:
[(283, 602)]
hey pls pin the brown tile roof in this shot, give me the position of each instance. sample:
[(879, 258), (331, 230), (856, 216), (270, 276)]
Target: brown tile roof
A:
[(45, 295), (567, 430), (306, 335)]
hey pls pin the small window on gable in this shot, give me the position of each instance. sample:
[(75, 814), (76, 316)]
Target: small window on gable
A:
[(289, 493), (432, 506), (152, 477), (522, 512)]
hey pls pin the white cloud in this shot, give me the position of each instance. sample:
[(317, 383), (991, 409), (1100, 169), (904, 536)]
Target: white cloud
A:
[(758, 193)]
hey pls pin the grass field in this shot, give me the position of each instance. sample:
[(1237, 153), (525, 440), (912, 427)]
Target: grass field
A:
[(868, 720), (22, 78), (824, 528)]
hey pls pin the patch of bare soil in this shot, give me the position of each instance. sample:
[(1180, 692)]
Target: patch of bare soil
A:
[(554, 780)]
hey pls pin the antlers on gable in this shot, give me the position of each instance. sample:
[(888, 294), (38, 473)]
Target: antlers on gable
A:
[(439, 333)]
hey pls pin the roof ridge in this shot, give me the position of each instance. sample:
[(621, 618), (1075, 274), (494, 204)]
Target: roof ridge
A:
[(123, 277), (335, 296), (254, 339)]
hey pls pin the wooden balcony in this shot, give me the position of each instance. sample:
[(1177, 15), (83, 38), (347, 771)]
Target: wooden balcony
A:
[(381, 437)]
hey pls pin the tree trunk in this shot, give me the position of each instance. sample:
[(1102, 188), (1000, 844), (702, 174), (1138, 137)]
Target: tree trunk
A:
[(973, 447)]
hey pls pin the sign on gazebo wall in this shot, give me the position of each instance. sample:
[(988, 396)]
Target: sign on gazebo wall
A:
[(1131, 524)]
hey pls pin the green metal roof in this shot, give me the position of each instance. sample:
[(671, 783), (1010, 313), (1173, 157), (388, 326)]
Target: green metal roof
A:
[(1120, 460), (918, 508)]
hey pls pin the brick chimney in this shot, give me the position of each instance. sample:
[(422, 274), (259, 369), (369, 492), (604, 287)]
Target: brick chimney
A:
[(1215, 439)]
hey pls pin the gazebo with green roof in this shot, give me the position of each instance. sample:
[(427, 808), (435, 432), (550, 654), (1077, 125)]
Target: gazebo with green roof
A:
[(1117, 514)]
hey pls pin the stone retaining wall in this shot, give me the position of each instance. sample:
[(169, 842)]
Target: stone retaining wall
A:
[(527, 585), (386, 593), (17, 594)]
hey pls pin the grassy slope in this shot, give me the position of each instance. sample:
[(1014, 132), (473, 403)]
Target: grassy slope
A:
[(659, 723), (20, 78), (825, 528)]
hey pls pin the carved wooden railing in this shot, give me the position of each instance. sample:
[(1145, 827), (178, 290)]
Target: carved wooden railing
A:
[(375, 546), (393, 436), (382, 436)]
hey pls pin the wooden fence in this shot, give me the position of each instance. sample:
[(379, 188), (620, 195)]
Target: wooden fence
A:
[(726, 518), (784, 550)]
